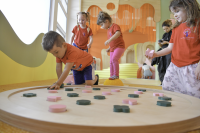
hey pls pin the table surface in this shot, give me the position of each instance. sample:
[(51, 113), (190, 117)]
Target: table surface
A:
[(184, 109)]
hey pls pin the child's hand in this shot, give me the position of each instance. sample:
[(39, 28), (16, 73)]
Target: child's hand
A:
[(107, 42), (150, 58), (197, 72), (55, 86), (108, 50), (89, 45)]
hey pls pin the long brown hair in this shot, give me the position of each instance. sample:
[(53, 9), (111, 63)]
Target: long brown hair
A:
[(87, 19), (192, 8)]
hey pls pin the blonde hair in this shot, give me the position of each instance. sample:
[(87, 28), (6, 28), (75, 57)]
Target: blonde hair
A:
[(192, 8), (102, 17), (87, 18)]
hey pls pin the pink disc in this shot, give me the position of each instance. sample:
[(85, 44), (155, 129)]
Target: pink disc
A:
[(57, 108), (138, 92), (132, 101), (155, 94), (125, 101), (147, 52), (161, 94), (115, 90), (106, 93), (52, 91), (87, 91), (53, 98), (87, 86)]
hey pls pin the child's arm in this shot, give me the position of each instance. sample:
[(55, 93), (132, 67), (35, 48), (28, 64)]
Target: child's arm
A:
[(59, 69), (197, 71), (90, 42), (63, 76), (115, 36), (72, 38), (163, 52)]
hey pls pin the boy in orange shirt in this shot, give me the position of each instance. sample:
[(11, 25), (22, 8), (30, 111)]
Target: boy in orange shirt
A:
[(73, 58)]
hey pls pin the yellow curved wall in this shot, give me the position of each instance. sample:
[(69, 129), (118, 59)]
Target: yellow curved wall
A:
[(12, 72)]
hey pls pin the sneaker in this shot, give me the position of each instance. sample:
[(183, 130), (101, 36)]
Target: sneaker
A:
[(114, 77), (97, 82)]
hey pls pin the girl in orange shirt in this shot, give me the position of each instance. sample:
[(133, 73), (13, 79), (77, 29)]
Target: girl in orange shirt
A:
[(183, 73), (82, 32), (115, 40)]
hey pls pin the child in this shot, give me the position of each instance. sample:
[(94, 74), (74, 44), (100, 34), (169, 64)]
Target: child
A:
[(82, 32), (147, 74), (183, 73), (164, 61), (115, 39), (72, 57)]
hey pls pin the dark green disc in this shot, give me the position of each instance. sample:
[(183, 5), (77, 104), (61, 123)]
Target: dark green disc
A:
[(29, 95), (143, 90), (68, 89), (83, 102), (164, 103), (96, 89), (133, 95), (123, 108), (69, 84), (72, 94), (165, 98), (99, 97)]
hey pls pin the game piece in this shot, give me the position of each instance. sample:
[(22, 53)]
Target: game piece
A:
[(69, 84), (158, 94), (129, 101), (57, 108), (164, 98), (87, 91), (68, 89), (118, 108), (72, 94), (83, 102), (106, 93), (96, 89), (62, 86), (52, 91), (132, 102), (53, 98), (163, 103), (115, 90), (87, 86), (138, 92), (133, 95), (99, 97), (149, 52), (29, 95), (143, 90)]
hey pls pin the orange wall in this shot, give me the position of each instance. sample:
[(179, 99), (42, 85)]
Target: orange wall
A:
[(101, 36)]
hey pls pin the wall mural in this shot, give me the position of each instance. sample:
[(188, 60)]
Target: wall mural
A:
[(31, 55)]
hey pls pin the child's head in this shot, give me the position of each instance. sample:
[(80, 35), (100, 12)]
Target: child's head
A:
[(166, 25), (144, 64), (54, 43), (185, 11), (104, 20), (82, 18)]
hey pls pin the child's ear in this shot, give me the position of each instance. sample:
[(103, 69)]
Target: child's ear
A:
[(64, 44)]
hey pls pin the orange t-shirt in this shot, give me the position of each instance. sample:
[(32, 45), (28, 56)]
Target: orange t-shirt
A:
[(186, 48), (81, 36), (117, 43), (80, 58)]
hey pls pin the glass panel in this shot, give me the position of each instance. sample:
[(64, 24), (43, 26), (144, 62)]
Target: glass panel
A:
[(61, 18), (60, 33), (64, 5)]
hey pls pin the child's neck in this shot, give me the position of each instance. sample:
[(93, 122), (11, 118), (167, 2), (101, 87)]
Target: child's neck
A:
[(110, 25), (83, 27)]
